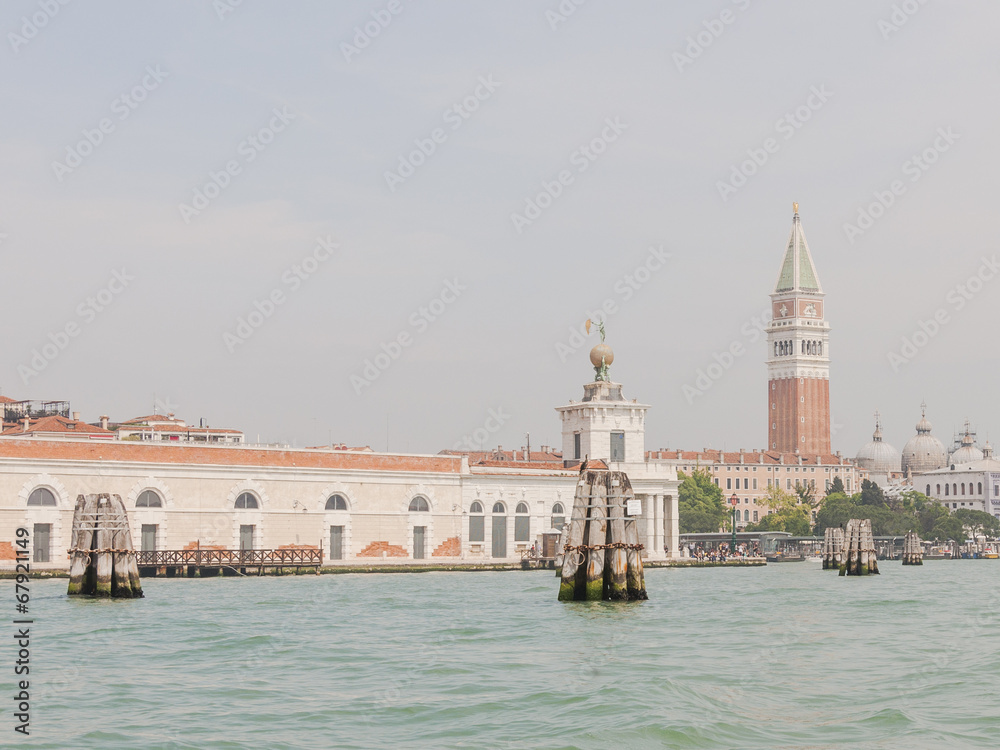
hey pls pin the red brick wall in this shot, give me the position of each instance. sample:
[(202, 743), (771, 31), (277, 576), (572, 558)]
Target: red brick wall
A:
[(796, 398), (7, 551), (448, 548), (375, 549)]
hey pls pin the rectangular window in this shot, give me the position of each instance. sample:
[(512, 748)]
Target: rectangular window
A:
[(848, 484), (336, 542), (716, 481), (477, 528), (746, 483), (617, 446), (729, 483), (755, 516), (576, 445), (148, 538), (41, 535), (755, 482), (522, 528), (769, 483), (789, 481)]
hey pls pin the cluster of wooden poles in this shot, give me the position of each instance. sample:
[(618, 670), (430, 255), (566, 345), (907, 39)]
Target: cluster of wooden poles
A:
[(102, 560), (851, 550), (913, 552), (602, 555)]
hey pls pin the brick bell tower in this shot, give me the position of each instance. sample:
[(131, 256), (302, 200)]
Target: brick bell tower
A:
[(798, 364)]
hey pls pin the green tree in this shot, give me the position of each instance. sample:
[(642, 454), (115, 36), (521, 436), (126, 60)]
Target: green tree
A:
[(699, 503), (871, 494), (788, 513), (836, 487), (948, 527), (980, 523)]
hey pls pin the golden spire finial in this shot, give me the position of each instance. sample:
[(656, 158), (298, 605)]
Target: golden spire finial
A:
[(795, 207)]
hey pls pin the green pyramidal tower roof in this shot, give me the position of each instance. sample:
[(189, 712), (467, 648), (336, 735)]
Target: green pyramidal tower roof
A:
[(798, 273)]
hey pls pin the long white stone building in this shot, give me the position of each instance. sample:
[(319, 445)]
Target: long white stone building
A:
[(361, 507)]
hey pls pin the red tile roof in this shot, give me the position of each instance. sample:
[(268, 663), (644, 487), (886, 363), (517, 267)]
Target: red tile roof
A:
[(200, 454), (57, 424)]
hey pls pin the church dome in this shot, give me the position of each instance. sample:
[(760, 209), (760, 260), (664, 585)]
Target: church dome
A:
[(924, 452), (878, 457), (968, 453)]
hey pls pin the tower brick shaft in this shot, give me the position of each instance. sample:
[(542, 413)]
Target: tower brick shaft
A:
[(798, 361)]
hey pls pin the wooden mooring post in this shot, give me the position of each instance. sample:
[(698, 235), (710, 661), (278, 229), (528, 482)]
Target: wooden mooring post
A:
[(861, 559), (102, 561), (913, 551), (833, 548), (601, 557)]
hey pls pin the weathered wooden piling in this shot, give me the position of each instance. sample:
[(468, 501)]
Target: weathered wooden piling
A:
[(833, 548), (862, 559), (102, 559), (913, 551), (601, 558)]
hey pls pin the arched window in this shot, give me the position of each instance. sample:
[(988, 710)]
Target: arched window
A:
[(954, 489), (963, 488), (148, 499), (980, 488), (247, 500), (499, 509), (336, 502), (928, 493), (41, 496), (746, 515), (419, 505), (477, 523), (946, 488), (938, 490), (558, 516), (522, 523)]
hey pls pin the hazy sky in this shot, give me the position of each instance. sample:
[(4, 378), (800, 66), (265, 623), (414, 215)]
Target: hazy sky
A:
[(168, 167)]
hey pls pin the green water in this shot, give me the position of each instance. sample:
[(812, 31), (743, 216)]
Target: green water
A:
[(787, 656)]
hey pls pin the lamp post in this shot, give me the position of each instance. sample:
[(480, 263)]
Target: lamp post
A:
[(734, 501)]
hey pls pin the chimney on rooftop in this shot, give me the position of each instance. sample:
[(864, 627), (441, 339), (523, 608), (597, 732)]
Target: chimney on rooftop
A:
[(104, 421), (27, 423), (76, 416)]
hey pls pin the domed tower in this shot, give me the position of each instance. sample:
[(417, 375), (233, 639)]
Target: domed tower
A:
[(878, 457), (924, 452), (604, 424), (798, 363), (968, 452)]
